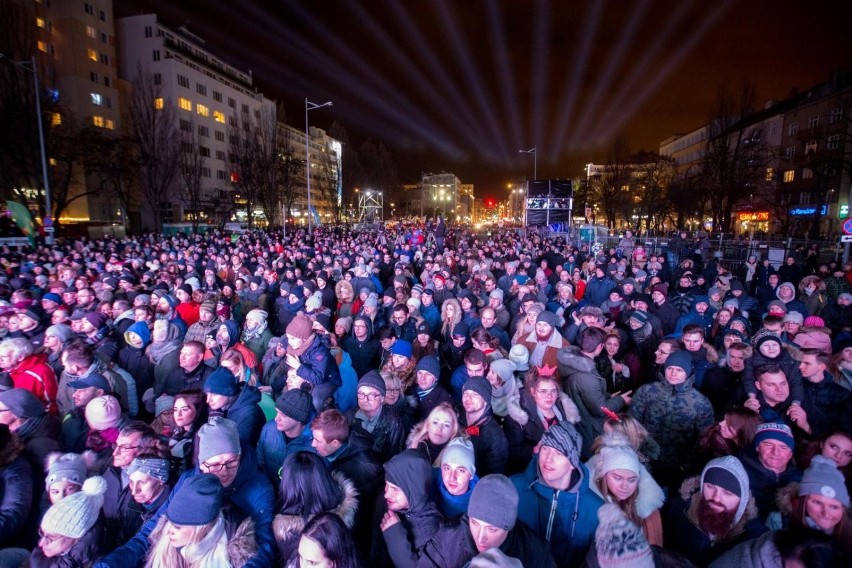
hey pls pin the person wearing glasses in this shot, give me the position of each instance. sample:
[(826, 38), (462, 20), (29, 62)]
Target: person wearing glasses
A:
[(376, 425), (247, 495)]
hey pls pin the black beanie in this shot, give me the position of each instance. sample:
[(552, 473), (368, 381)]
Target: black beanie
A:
[(297, 404), (197, 502)]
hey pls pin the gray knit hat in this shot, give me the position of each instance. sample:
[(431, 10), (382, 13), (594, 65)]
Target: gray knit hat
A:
[(547, 317), (565, 439), (494, 501), (823, 478), (373, 380), (60, 331), (65, 467), (74, 515), (219, 436), (735, 468), (22, 403), (459, 451)]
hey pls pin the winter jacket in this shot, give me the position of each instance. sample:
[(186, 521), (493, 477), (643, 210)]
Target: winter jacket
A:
[(136, 362), (449, 505), (191, 380), (258, 345), (554, 343), (75, 429), (676, 414), (288, 527), (828, 406), (566, 519), (588, 391), (273, 448), (787, 363), (683, 535), (490, 447), (668, 315), (524, 427), (250, 495), (16, 494), (837, 317), (346, 395), (364, 354), (405, 540), (36, 376), (318, 366), (453, 546), (388, 437), (247, 414), (122, 515), (597, 290), (84, 552), (40, 435), (761, 552), (199, 330), (765, 483), (682, 299), (703, 360)]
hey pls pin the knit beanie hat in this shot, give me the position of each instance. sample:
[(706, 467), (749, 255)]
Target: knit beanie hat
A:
[(96, 319), (60, 331), (221, 381), (208, 306), (65, 467), (504, 369), (301, 327), (814, 338), (163, 403), (297, 404), (680, 359), (774, 431), (219, 436), (565, 439), (402, 347), (823, 478), (372, 301), (794, 317), (22, 403), (728, 473), (619, 542), (158, 468), (459, 451), (494, 558), (34, 312), (616, 453), (639, 316), (430, 364), (51, 297), (197, 501), (374, 380), (257, 315), (103, 412), (494, 501), (74, 515), (461, 329), (480, 386), (344, 322), (547, 317), (520, 356)]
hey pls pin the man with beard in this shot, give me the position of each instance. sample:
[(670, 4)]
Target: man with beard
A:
[(165, 309), (207, 323), (545, 341), (713, 513)]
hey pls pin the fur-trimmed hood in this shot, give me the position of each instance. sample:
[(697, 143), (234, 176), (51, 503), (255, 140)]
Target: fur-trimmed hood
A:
[(815, 280), (712, 354), (649, 496), (285, 527), (521, 415), (242, 546), (784, 498), (691, 490)]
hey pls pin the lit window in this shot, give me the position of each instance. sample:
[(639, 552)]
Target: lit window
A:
[(52, 161), (90, 31), (98, 121), (185, 104), (219, 116), (42, 46), (93, 54), (789, 176), (97, 99), (55, 119), (158, 103), (202, 110), (40, 22), (110, 125), (769, 174)]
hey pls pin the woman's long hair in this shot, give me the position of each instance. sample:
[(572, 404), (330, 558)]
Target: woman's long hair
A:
[(163, 555), (420, 432), (447, 324), (842, 531), (628, 505), (328, 530), (307, 487)]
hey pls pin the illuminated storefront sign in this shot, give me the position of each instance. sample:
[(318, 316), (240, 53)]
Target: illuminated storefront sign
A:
[(804, 211), (753, 216)]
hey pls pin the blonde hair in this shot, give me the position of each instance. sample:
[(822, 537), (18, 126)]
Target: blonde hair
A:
[(420, 431), (163, 555), (634, 431)]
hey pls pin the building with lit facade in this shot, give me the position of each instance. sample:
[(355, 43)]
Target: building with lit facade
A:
[(326, 173)]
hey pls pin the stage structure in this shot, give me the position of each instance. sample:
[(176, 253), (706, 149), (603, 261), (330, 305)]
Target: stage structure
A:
[(371, 207), (550, 203)]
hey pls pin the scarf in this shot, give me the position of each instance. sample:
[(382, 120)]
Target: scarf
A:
[(212, 550), (248, 334), (101, 440), (84, 374), (302, 348), (158, 350)]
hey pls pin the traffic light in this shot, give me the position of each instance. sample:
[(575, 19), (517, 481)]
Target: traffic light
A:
[(490, 203)]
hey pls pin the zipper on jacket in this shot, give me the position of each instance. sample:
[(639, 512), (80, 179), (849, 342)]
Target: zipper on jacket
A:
[(553, 504)]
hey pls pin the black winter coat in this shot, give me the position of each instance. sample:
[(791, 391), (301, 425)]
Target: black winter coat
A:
[(247, 414), (490, 447), (388, 437), (140, 367), (16, 494), (364, 354)]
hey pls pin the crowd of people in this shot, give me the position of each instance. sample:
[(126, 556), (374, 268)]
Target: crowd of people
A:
[(421, 396)]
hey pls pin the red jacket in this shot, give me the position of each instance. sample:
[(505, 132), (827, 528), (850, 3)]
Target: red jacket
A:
[(35, 375)]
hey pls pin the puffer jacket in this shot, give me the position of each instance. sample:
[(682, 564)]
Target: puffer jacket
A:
[(566, 519), (273, 449), (318, 366), (16, 494), (677, 414), (247, 414), (36, 376), (524, 428), (588, 391), (388, 437)]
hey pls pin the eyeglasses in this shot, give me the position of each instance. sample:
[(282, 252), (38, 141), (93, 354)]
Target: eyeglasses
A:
[(217, 467), (123, 449), (49, 538), (393, 390), (370, 397)]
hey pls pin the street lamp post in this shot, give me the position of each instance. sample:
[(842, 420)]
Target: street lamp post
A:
[(309, 106), (535, 160), (48, 230)]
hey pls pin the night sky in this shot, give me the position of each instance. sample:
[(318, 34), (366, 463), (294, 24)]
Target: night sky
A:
[(463, 85)]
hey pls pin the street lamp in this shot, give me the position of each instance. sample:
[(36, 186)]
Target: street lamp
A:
[(309, 106), (535, 160), (31, 66)]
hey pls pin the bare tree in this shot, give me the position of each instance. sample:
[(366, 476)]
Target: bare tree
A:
[(686, 197), (112, 164), (191, 171), (153, 120), (290, 168), (736, 155), (611, 188), (652, 178)]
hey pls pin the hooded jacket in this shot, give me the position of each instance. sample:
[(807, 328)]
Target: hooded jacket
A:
[(566, 519), (249, 496), (273, 448), (588, 391), (247, 414), (765, 483), (16, 494), (36, 376), (405, 540), (318, 366), (136, 362), (793, 305), (677, 414)]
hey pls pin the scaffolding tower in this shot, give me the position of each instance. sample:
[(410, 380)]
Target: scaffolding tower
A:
[(371, 207)]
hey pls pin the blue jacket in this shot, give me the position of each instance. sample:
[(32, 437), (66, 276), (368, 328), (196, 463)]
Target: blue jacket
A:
[(345, 397), (432, 316), (597, 290), (250, 495), (566, 519), (318, 366), (273, 449), (247, 414)]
